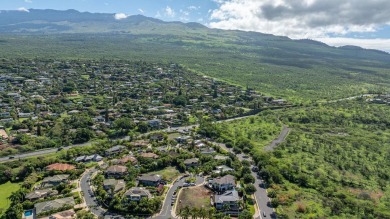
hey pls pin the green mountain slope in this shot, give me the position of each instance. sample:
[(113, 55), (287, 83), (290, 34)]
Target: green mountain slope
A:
[(293, 69)]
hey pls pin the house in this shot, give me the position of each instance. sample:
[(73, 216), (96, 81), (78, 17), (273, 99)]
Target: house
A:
[(149, 155), (220, 157), (127, 159), (60, 167), (38, 194), (69, 214), (224, 183), (55, 180), (193, 162), (113, 185), (116, 171), (155, 123), (90, 158), (5, 114), (140, 143), (223, 169), (53, 205), (229, 199), (115, 150), (149, 179), (208, 150), (137, 193)]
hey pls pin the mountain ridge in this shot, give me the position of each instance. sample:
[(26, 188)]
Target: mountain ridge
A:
[(49, 21)]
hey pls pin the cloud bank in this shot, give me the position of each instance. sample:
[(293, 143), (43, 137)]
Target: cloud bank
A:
[(301, 18)]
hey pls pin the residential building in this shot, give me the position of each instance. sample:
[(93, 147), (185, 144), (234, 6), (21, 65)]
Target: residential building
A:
[(224, 183), (229, 199), (115, 150), (69, 214), (113, 185), (137, 193), (116, 171), (53, 205), (223, 169), (149, 179), (38, 194), (149, 155), (193, 162), (55, 180), (60, 167)]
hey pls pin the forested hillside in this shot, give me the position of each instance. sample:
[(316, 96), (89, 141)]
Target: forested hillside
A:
[(334, 163)]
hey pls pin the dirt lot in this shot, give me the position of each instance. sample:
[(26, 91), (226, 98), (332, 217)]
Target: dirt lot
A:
[(195, 197)]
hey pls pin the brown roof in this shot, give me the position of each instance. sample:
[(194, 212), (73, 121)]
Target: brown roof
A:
[(149, 155), (117, 169), (60, 166), (126, 159)]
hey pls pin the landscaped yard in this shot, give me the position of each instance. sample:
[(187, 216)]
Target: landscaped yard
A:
[(169, 173), (195, 197), (5, 191)]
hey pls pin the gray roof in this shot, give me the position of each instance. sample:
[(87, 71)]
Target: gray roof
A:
[(150, 177), (191, 161), (138, 191), (228, 179), (53, 204), (116, 148), (229, 196), (55, 178), (40, 193)]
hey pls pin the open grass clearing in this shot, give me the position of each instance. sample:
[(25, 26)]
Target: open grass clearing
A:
[(194, 197), (5, 191), (169, 173)]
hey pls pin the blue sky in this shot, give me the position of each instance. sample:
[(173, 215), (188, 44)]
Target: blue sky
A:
[(336, 22)]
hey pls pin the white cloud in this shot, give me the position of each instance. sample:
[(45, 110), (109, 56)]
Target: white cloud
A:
[(169, 12), (120, 16), (22, 9), (193, 8), (28, 1), (301, 18), (379, 44), (158, 14), (142, 11)]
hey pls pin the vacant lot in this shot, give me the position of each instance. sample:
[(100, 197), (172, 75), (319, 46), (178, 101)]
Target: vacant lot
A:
[(169, 173), (5, 191), (195, 197)]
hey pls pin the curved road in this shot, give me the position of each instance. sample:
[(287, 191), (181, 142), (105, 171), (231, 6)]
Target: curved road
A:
[(282, 136), (166, 210), (90, 200)]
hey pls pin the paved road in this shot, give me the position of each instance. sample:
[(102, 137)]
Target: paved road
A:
[(90, 201), (166, 210), (41, 152), (282, 136), (53, 150), (262, 200)]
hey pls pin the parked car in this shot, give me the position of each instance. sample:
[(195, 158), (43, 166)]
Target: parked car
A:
[(186, 184), (192, 184)]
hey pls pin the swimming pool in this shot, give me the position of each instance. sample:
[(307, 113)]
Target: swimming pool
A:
[(28, 213)]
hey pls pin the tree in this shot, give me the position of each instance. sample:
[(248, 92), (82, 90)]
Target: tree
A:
[(83, 135), (250, 189), (143, 127), (245, 215)]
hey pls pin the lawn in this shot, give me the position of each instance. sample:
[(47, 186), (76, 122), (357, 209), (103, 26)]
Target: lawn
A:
[(169, 173), (5, 191), (173, 136), (195, 197)]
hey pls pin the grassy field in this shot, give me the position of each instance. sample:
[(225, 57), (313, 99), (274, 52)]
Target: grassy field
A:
[(169, 173), (5, 191), (196, 197)]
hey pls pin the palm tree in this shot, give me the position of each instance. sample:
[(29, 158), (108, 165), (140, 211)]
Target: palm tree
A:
[(185, 212), (194, 213), (202, 213), (211, 212)]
